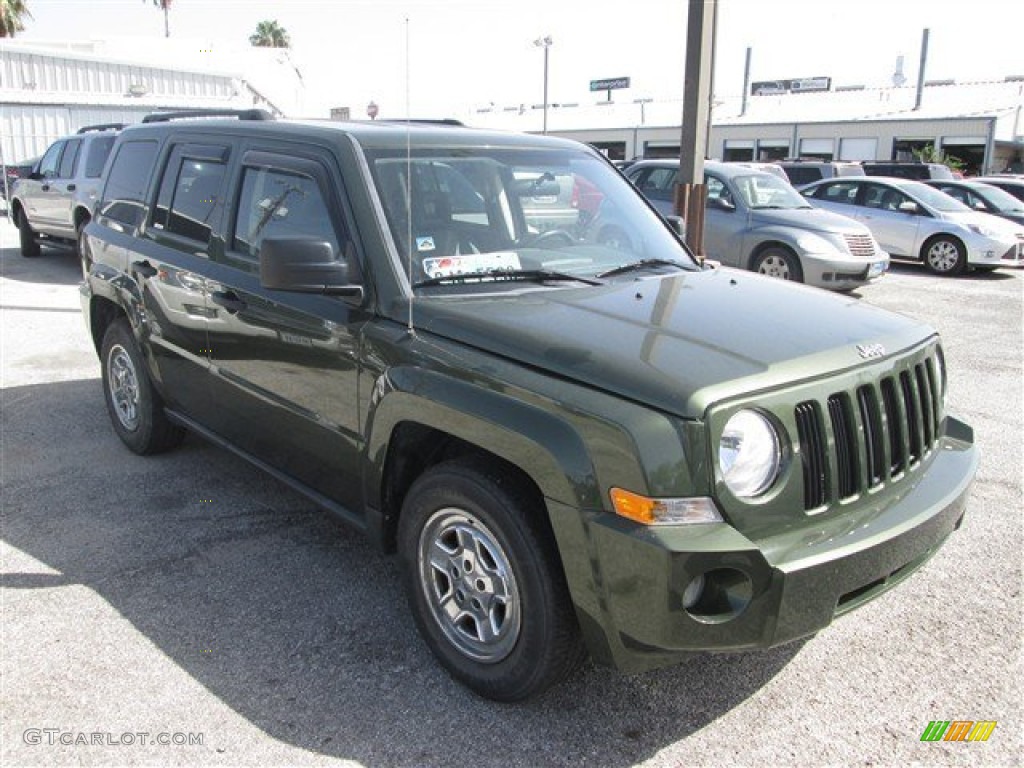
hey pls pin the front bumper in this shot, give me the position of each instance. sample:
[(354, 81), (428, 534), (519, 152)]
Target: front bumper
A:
[(628, 581), (995, 252), (839, 272)]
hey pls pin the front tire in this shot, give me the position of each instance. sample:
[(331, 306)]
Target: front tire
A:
[(29, 244), (944, 255), (136, 410), (484, 583), (780, 263)]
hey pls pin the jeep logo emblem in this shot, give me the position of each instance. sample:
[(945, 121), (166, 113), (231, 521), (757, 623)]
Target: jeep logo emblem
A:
[(868, 351)]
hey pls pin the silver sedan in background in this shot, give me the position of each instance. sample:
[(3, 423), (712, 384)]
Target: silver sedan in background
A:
[(759, 222), (913, 221)]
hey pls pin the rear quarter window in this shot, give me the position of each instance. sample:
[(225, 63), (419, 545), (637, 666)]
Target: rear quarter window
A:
[(99, 151), (125, 191)]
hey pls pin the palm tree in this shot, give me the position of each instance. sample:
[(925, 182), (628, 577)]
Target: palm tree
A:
[(165, 6), (270, 34), (12, 13)]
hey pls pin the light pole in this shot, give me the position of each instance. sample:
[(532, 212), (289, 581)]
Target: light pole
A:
[(545, 43)]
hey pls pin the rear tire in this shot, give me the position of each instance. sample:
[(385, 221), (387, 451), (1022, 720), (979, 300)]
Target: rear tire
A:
[(778, 262), (136, 410), (484, 583), (80, 246), (29, 244)]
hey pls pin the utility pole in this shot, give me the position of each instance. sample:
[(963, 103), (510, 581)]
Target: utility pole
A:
[(545, 43), (691, 193)]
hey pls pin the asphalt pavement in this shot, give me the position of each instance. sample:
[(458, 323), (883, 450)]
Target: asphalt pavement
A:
[(190, 599)]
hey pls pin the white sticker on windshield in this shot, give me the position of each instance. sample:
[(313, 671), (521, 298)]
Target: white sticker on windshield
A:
[(424, 243), (472, 264)]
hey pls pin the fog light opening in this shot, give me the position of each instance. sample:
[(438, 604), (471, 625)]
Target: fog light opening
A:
[(722, 595)]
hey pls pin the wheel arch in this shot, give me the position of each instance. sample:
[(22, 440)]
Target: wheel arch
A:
[(411, 433), (922, 253), (767, 244), (102, 313), (81, 215), (17, 210)]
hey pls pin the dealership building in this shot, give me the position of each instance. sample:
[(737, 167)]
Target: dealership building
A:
[(49, 90), (981, 123)]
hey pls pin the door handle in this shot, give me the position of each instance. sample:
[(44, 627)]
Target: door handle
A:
[(45, 187), (143, 268), (71, 187), (229, 300)]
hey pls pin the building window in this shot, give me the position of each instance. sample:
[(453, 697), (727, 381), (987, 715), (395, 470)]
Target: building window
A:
[(858, 149), (817, 149), (738, 150), (769, 150)]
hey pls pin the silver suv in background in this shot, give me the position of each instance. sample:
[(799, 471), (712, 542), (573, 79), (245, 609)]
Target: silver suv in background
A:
[(758, 222), (54, 202)]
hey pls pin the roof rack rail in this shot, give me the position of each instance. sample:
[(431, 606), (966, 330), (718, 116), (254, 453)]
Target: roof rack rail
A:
[(241, 114), (101, 127), (425, 121)]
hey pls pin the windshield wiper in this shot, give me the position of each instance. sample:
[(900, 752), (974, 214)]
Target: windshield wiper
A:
[(500, 275), (641, 264)]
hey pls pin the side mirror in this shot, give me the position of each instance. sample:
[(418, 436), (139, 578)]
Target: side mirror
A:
[(678, 225), (35, 175), (909, 206), (721, 204), (980, 206), (304, 265)]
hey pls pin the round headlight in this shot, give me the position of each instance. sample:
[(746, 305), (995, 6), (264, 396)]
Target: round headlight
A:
[(749, 454)]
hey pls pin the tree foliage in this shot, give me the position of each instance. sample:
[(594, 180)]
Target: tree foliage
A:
[(12, 17), (165, 6), (929, 153), (270, 34)]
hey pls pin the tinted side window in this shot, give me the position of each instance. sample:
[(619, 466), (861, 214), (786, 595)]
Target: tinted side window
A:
[(803, 175), (717, 190), (841, 192), (658, 180), (124, 194), (51, 161), (190, 193), (69, 159), (275, 203), (96, 157)]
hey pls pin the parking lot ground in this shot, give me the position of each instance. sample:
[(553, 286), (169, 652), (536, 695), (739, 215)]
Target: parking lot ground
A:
[(189, 595)]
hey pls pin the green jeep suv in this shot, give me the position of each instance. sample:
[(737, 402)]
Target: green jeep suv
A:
[(573, 446)]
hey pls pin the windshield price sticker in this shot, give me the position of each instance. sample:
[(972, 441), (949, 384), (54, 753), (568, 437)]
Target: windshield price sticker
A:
[(472, 264)]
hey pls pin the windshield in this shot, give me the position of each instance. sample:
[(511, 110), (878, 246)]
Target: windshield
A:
[(940, 201), (999, 199), (488, 218), (767, 191)]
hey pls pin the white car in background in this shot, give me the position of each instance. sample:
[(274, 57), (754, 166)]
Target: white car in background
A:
[(911, 220)]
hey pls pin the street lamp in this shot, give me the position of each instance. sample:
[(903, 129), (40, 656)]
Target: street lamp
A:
[(545, 43)]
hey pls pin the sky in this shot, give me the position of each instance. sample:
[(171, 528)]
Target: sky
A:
[(468, 54)]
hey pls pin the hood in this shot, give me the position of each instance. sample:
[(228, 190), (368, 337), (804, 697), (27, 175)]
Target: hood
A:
[(677, 343), (989, 221), (812, 219)]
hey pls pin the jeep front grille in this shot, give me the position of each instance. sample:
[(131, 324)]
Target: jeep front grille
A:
[(860, 245), (857, 440)]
